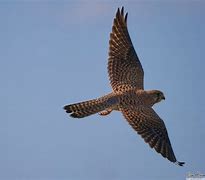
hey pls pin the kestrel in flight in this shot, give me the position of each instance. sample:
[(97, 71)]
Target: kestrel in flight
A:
[(128, 96)]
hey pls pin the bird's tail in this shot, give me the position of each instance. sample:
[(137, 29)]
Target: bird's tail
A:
[(87, 108)]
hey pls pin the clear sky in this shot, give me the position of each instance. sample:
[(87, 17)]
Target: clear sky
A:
[(55, 52)]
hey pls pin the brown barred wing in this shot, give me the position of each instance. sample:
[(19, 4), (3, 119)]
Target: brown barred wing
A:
[(152, 129), (124, 68)]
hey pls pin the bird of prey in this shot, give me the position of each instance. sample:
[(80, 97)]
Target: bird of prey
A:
[(128, 96)]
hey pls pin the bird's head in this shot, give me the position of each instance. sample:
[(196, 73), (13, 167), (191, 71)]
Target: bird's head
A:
[(157, 95)]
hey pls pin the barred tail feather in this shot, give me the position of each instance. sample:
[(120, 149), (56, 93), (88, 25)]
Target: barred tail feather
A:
[(86, 108)]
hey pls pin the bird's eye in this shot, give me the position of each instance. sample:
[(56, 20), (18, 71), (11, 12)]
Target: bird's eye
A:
[(158, 97)]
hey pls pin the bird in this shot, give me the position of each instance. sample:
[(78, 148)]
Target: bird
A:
[(126, 77)]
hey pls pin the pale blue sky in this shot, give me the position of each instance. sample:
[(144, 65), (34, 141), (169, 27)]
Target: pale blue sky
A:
[(55, 52)]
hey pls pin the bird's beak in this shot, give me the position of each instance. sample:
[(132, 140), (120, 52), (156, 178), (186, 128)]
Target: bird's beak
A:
[(163, 97)]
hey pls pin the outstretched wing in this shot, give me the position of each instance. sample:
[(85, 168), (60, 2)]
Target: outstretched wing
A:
[(124, 68), (152, 129)]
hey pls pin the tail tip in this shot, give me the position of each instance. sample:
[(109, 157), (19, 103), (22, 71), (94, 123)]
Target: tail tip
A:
[(67, 108), (74, 115)]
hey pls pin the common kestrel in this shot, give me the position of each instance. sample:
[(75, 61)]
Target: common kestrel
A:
[(126, 78)]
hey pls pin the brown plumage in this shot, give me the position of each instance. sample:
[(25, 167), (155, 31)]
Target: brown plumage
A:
[(124, 68), (127, 78), (86, 108)]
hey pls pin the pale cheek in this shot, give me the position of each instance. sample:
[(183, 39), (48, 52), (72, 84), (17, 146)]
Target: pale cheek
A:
[(156, 100)]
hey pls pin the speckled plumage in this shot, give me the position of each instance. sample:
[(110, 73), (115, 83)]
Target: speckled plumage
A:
[(127, 78)]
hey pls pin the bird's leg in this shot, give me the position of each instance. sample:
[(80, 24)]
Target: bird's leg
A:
[(105, 112)]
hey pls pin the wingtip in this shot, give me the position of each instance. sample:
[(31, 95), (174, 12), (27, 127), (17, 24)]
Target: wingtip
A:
[(122, 11), (180, 163), (126, 17), (120, 14), (118, 11)]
